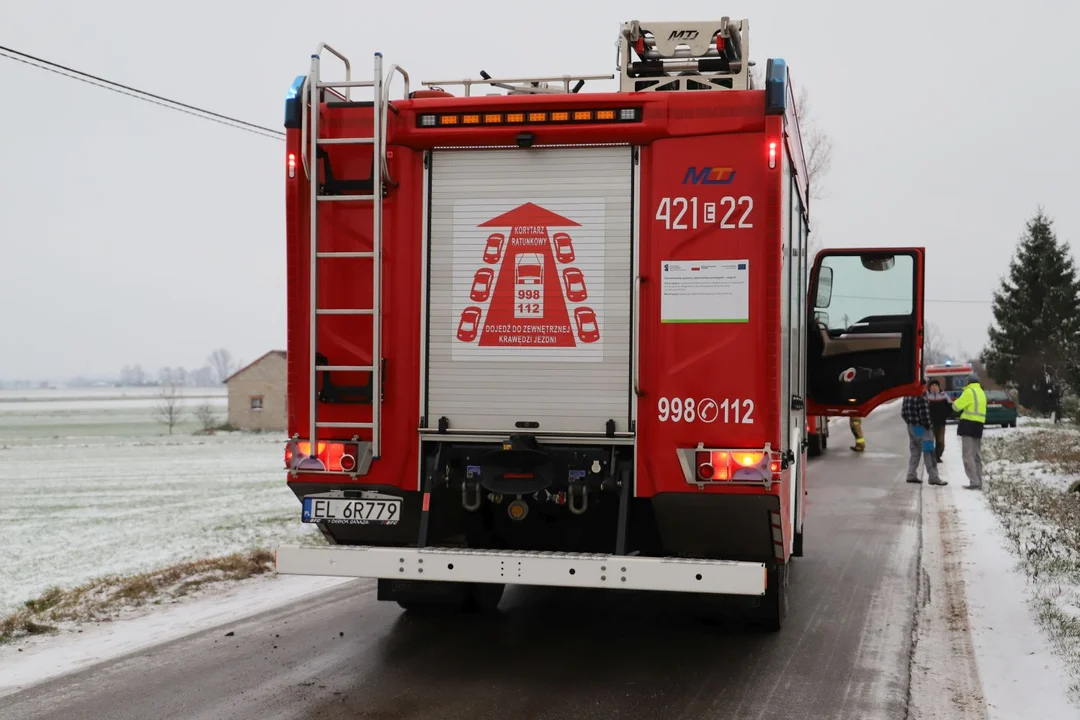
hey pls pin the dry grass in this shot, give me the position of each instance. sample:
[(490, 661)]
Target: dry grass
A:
[(1042, 523), (1056, 447), (105, 598)]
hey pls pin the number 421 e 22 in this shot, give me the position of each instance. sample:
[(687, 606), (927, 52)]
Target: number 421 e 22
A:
[(681, 213)]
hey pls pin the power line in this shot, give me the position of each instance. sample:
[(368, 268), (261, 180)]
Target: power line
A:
[(908, 300), (152, 98)]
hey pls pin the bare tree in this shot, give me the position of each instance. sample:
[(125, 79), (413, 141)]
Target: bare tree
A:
[(170, 404), (221, 360), (817, 146), (204, 376), (817, 152), (207, 417), (817, 149), (933, 345)]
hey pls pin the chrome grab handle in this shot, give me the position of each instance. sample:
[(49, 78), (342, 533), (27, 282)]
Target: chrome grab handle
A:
[(385, 110), (637, 335)]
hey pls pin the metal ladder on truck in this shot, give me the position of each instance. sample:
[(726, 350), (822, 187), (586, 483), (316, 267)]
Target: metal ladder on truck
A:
[(310, 144)]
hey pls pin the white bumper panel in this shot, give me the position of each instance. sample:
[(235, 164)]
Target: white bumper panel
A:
[(526, 568)]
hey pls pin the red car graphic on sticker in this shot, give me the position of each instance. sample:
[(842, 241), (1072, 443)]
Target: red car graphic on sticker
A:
[(469, 324), (481, 285), (493, 249), (564, 248), (574, 282), (529, 269), (586, 325)]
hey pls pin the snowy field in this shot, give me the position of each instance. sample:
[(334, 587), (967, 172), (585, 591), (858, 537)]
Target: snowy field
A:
[(1031, 473), (93, 485)]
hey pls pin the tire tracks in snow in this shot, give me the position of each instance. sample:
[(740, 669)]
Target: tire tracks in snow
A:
[(945, 680)]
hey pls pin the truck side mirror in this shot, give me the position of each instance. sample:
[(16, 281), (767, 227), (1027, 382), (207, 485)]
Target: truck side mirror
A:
[(878, 263), (824, 288)]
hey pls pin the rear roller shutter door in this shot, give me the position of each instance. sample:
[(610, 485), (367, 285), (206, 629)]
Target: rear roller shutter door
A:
[(529, 294)]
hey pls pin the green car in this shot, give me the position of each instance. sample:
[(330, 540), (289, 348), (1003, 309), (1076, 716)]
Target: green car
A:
[(1000, 409)]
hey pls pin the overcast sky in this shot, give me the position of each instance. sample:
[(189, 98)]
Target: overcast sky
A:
[(135, 234)]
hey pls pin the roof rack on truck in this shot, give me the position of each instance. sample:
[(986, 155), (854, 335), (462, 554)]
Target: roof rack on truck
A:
[(520, 86)]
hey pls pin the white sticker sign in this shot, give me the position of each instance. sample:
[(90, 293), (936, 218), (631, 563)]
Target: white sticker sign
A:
[(528, 280), (705, 291)]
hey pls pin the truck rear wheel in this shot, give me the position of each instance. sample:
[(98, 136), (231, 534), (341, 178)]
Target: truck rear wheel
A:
[(774, 604), (453, 598), (484, 597), (813, 445)]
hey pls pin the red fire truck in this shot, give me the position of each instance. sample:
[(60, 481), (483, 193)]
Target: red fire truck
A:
[(632, 415)]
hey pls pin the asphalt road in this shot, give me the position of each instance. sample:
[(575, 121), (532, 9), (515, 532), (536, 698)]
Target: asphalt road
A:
[(843, 652)]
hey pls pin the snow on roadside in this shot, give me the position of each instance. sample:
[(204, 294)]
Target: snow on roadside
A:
[(1021, 675), (80, 646), (125, 505)]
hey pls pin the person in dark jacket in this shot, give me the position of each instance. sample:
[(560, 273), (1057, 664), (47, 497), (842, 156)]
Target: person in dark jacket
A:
[(939, 416), (916, 413)]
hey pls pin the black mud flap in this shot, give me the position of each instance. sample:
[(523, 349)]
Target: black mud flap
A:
[(425, 597), (423, 591)]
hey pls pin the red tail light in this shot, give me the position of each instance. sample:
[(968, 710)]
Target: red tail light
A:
[(292, 165), (737, 465), (772, 154), (1008, 404), (335, 456)]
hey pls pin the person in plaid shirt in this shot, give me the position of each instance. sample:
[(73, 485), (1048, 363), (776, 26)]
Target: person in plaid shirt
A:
[(916, 413)]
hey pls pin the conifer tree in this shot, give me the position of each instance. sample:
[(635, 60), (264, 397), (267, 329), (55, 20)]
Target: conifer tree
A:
[(1036, 334)]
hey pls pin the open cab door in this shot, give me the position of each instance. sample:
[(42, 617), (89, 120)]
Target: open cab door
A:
[(865, 329)]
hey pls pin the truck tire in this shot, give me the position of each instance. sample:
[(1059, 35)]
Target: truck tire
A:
[(813, 445), (484, 597), (796, 545), (428, 607), (476, 598), (774, 605)]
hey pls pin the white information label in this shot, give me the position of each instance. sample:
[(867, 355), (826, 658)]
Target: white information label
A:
[(705, 291)]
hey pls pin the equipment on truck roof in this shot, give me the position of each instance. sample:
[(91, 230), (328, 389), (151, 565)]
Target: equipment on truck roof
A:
[(673, 56)]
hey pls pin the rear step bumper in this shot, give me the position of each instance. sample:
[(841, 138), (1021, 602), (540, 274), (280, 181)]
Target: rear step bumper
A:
[(622, 572)]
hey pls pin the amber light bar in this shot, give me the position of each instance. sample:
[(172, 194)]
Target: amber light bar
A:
[(530, 117)]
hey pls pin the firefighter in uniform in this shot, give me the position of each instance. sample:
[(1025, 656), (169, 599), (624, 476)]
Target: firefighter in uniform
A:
[(855, 423), (972, 408)]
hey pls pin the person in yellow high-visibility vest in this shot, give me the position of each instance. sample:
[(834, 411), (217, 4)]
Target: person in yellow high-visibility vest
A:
[(972, 408), (855, 423)]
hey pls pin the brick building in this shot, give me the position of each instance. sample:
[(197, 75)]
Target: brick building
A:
[(257, 394)]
